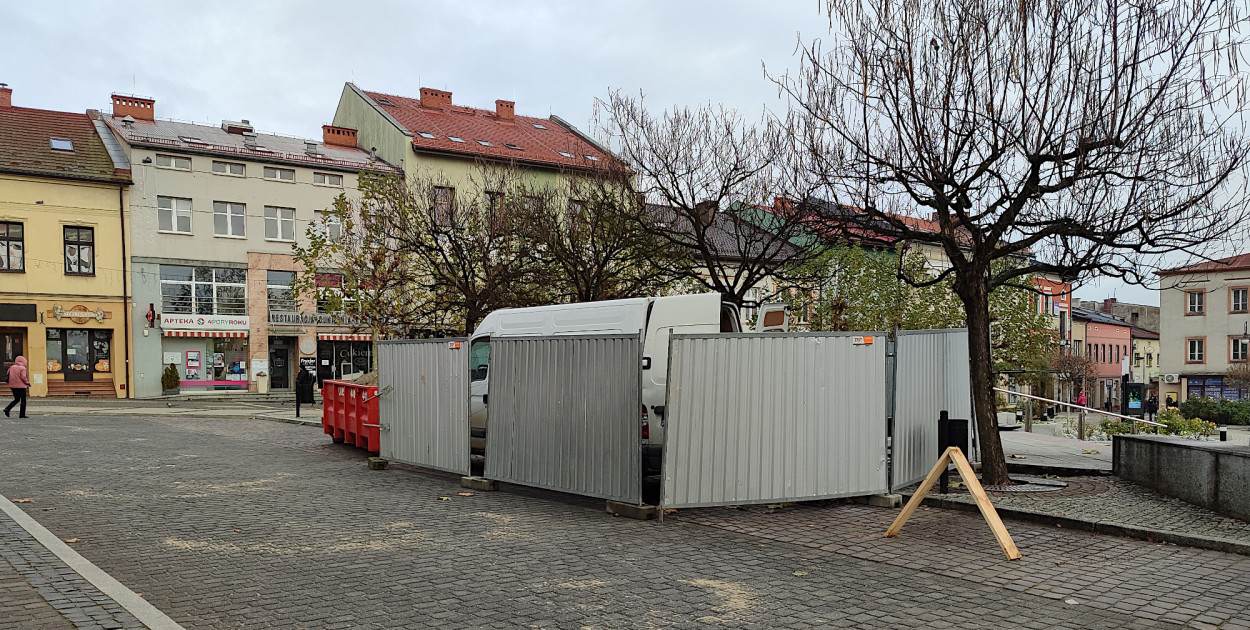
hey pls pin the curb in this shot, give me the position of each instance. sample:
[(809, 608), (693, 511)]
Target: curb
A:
[(1097, 527), (1060, 471), (274, 418)]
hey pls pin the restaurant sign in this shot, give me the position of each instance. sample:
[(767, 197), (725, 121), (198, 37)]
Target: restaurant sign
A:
[(309, 319), (204, 322)]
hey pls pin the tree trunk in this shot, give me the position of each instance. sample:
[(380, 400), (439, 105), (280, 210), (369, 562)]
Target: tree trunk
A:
[(973, 290)]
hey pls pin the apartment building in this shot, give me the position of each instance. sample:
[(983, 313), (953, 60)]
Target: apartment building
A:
[(216, 211), (1107, 342), (63, 215), (1204, 313)]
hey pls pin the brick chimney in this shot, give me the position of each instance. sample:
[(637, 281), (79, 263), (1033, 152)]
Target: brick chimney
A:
[(135, 106), (1107, 304), (505, 110), (6, 96), (338, 136), (435, 99)]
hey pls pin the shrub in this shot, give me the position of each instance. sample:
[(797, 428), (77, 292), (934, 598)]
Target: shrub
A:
[(1217, 411), (170, 380), (1175, 423)]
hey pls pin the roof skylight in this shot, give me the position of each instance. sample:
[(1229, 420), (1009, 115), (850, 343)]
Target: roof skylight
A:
[(455, 139), (565, 154), (191, 139), (61, 144), (485, 143), (591, 158), (513, 146), (425, 134), (382, 101), (539, 126)]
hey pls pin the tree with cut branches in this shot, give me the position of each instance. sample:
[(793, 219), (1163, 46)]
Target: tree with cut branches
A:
[(1077, 369), (715, 184), (1086, 137)]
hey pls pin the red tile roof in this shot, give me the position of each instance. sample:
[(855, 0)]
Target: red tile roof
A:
[(536, 145), (1240, 262), (24, 146)]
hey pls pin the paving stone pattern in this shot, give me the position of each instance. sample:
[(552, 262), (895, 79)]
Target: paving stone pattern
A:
[(1152, 582), (1113, 500), (40, 591), (228, 524)]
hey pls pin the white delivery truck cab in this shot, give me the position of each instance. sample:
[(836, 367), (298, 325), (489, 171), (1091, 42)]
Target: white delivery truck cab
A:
[(655, 318)]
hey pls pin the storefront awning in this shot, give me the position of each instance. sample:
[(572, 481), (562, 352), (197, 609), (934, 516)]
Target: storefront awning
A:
[(205, 333), (344, 337)]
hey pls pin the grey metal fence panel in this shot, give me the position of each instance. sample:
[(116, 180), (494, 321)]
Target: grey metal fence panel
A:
[(932, 376), (425, 415), (565, 414), (778, 417)]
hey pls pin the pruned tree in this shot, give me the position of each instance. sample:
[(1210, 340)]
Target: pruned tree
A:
[(715, 183), (422, 257), (590, 232), (1238, 375), (1084, 136), (1077, 369)]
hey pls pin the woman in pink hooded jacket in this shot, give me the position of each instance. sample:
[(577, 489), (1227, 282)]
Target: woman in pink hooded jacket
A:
[(19, 382)]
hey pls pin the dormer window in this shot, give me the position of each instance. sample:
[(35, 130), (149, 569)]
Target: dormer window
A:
[(426, 134), (61, 144), (455, 139)]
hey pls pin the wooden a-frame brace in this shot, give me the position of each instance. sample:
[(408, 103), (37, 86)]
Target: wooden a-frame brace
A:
[(953, 454)]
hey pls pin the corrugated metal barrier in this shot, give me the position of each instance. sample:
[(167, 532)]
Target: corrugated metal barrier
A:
[(778, 417), (932, 376), (425, 412), (565, 414)]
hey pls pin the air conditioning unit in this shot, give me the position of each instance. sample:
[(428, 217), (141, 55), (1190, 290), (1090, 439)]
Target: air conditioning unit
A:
[(1171, 378)]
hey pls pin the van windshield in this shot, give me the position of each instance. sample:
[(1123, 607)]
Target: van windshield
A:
[(729, 319), (479, 358)]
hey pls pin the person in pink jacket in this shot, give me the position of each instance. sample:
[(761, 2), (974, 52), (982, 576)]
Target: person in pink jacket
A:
[(19, 382)]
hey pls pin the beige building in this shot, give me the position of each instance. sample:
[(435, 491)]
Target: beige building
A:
[(215, 214), (1204, 313)]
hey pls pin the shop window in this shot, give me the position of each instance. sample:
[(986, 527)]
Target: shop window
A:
[(203, 290), (12, 247), (79, 251)]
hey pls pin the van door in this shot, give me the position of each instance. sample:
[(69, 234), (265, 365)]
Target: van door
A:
[(773, 318), (479, 368)]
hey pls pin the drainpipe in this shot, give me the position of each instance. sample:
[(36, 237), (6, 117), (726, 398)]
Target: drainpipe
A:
[(121, 216)]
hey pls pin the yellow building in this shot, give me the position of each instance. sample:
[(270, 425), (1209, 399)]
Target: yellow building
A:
[(63, 288)]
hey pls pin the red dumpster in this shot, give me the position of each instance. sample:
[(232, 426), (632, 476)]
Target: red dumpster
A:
[(349, 413)]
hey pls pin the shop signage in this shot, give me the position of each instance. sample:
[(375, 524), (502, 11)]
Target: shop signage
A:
[(309, 319), (78, 314), (19, 313), (204, 322)]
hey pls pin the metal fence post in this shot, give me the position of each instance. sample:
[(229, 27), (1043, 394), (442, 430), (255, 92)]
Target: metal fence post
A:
[(1080, 425), (1028, 416), (944, 440)]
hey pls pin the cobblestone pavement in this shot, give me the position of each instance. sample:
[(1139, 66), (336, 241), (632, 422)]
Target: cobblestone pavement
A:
[(1199, 588), (241, 523), (1115, 501), (37, 590)]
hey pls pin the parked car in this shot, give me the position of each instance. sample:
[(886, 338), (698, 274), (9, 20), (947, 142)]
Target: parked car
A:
[(656, 318)]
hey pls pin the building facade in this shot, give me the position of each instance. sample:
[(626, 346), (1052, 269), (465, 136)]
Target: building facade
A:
[(63, 218), (1107, 343), (1141, 315), (217, 211), (1204, 313)]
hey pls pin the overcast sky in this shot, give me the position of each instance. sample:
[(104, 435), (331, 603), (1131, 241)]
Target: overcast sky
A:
[(282, 65)]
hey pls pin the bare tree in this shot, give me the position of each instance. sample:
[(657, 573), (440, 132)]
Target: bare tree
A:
[(1069, 367), (717, 186), (1083, 136), (590, 231), (422, 256)]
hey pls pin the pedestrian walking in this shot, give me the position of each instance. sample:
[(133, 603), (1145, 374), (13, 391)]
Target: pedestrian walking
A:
[(1080, 399), (19, 382), (1152, 407)]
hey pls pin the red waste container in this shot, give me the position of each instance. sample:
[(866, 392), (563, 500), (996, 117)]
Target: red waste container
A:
[(349, 413)]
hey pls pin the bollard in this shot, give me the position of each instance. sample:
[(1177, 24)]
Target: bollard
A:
[(1080, 425), (1028, 416), (1223, 434), (1132, 428)]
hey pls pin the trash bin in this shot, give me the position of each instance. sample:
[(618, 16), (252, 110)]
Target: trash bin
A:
[(304, 393), (262, 383)]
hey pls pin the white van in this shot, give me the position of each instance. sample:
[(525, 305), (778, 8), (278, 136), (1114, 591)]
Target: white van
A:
[(655, 318)]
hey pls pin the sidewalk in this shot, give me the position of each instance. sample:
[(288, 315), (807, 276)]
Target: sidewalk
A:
[(1038, 454)]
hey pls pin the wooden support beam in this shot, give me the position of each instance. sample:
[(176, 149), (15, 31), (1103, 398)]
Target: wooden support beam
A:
[(953, 454)]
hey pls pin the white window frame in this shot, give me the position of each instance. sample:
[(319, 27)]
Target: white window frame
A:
[(325, 179), (280, 218), (1239, 347), (210, 304), (1196, 350), (332, 226), (229, 168), (230, 210), (277, 174), (173, 161), (1233, 294), (177, 208), (1196, 299)]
